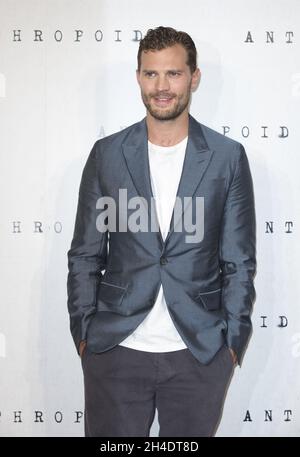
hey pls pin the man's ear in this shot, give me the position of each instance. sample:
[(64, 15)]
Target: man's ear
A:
[(196, 77), (137, 73)]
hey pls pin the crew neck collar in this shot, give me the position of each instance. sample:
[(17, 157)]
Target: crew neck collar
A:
[(157, 146)]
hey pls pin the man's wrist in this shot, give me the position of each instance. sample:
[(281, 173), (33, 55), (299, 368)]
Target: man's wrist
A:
[(82, 346), (233, 354)]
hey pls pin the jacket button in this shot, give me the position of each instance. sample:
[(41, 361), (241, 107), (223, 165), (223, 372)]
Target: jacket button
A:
[(163, 260)]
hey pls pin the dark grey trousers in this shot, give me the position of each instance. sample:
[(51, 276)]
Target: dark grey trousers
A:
[(124, 386)]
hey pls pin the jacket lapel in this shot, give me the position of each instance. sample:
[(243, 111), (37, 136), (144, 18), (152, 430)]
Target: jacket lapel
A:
[(135, 151), (196, 161)]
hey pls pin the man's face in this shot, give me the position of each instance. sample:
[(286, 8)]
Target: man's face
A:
[(166, 82)]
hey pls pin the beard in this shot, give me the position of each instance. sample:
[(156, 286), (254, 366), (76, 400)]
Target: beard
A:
[(164, 113)]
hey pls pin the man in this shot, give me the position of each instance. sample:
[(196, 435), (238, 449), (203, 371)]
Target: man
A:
[(160, 318)]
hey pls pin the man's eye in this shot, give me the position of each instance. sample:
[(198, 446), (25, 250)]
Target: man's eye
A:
[(150, 74), (174, 73)]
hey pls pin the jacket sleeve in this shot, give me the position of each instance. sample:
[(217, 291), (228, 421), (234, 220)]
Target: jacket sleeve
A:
[(88, 253), (237, 253)]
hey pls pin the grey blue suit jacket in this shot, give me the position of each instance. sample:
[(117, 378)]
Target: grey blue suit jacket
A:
[(114, 277)]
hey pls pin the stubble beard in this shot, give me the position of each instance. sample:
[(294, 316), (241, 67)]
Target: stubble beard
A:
[(165, 114)]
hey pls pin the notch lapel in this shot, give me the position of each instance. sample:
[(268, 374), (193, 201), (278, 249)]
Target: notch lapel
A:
[(196, 161), (135, 151)]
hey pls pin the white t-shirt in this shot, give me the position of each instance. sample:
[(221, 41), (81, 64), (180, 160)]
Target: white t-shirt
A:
[(157, 333)]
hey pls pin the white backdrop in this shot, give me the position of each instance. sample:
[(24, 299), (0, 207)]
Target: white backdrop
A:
[(57, 97)]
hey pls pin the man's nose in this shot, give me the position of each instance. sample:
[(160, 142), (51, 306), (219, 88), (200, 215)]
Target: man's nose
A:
[(162, 83)]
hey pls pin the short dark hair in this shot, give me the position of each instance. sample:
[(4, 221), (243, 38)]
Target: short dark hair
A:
[(164, 37)]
